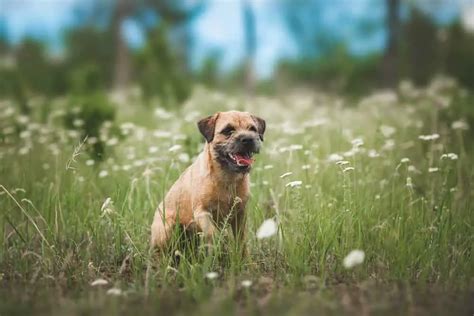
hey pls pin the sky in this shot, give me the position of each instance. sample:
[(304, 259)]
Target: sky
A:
[(219, 28)]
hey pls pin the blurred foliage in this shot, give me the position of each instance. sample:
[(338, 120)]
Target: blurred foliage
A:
[(208, 74), (459, 58), (159, 72), (89, 108), (161, 68), (420, 58), (90, 46), (426, 50), (338, 71)]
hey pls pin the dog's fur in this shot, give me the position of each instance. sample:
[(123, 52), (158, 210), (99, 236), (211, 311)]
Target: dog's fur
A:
[(216, 186)]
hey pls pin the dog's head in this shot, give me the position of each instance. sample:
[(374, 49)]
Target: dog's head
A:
[(234, 137)]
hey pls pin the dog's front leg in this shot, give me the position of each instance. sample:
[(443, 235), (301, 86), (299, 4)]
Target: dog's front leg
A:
[(204, 222), (161, 229)]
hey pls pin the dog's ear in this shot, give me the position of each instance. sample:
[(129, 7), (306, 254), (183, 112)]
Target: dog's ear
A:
[(261, 125), (207, 126)]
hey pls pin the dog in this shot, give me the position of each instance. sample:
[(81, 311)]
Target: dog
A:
[(215, 188)]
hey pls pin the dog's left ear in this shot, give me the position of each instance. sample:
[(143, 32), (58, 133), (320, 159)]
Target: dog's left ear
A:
[(207, 126), (261, 125)]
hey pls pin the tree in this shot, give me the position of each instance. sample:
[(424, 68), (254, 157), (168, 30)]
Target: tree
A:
[(250, 44), (159, 73), (122, 10), (390, 61), (459, 59), (178, 16), (420, 48)]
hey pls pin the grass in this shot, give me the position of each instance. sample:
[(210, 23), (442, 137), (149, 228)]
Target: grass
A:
[(334, 176)]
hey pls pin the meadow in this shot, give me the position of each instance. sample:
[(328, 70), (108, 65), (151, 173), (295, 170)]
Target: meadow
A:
[(389, 175)]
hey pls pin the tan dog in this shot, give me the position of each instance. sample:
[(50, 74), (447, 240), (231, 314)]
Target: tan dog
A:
[(215, 188)]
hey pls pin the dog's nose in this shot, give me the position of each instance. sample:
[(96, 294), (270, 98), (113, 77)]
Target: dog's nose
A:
[(246, 140)]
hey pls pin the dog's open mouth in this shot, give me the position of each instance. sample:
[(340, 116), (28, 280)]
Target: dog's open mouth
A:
[(242, 159)]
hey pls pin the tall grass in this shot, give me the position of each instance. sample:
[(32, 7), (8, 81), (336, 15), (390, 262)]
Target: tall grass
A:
[(335, 178)]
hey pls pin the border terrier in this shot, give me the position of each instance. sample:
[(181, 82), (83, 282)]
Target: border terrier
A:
[(215, 188)]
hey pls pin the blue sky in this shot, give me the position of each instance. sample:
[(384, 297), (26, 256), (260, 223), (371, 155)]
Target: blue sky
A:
[(219, 27)]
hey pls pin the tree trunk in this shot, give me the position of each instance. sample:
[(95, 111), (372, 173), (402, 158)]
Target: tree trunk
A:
[(122, 55), (250, 45), (390, 59)]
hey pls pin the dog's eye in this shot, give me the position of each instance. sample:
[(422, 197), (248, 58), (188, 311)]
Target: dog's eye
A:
[(253, 129), (228, 130)]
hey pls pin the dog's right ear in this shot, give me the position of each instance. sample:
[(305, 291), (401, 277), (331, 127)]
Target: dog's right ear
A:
[(207, 126)]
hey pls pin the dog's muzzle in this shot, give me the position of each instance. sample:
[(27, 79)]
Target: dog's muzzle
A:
[(237, 155)]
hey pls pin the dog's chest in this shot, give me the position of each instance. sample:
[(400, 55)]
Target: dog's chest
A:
[(228, 199)]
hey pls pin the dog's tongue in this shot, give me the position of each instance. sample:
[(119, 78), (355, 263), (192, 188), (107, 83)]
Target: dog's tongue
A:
[(244, 161)]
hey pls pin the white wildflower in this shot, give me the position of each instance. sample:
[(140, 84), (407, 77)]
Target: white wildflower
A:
[(78, 123), (295, 147), (90, 162), (461, 125), (387, 131), (25, 134), (373, 153), (174, 148), (112, 141), (147, 172), (405, 160), (138, 163), (183, 157), (152, 149), (351, 153), (267, 229), (23, 119), (267, 167), (162, 114), (114, 291), (99, 282), (389, 144), (246, 283), (103, 173), (429, 137), (354, 258), (347, 169), (409, 183), (162, 134), (294, 184), (286, 174), (451, 156), (431, 170), (335, 157), (212, 275), (305, 167), (23, 150), (342, 162), (192, 116), (357, 142), (413, 169)]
